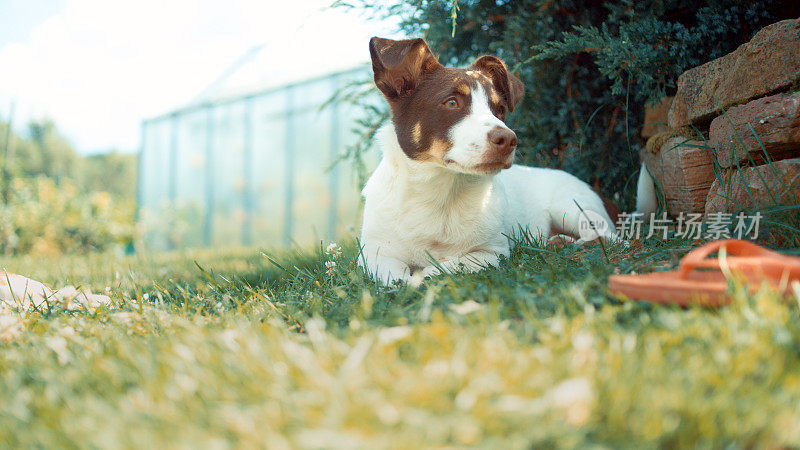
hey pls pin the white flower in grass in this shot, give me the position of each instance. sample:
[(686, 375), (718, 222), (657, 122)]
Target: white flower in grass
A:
[(333, 250), (330, 265)]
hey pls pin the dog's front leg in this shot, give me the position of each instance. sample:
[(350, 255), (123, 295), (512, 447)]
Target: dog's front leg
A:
[(470, 262), (385, 269)]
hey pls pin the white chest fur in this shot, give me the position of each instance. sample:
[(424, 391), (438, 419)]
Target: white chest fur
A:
[(415, 211)]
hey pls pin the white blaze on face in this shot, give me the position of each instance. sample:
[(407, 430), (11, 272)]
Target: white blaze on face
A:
[(470, 136)]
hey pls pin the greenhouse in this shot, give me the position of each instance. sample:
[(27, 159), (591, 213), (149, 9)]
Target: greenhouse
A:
[(254, 168)]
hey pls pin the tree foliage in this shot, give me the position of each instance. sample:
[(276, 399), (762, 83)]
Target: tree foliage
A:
[(44, 152), (589, 67)]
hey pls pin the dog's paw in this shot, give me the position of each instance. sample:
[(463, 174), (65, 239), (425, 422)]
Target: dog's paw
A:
[(430, 271), (416, 279), (405, 277), (388, 271), (419, 276), (560, 240)]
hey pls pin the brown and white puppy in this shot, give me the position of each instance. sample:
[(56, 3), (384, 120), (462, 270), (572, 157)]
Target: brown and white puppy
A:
[(446, 187)]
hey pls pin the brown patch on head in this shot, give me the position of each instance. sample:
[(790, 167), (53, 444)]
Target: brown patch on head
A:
[(400, 66), (507, 85), (428, 99), (497, 102)]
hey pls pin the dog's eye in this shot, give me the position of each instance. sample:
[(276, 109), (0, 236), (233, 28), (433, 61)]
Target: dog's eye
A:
[(451, 103)]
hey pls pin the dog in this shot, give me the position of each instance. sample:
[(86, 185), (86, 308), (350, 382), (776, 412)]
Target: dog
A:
[(446, 193)]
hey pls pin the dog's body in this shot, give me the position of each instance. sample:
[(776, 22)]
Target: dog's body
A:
[(440, 190)]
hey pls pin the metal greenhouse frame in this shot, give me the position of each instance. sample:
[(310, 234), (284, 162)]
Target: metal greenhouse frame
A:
[(190, 188)]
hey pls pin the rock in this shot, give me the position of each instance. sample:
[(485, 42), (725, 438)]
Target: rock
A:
[(684, 171), (769, 63), (655, 117), (776, 121), (769, 187)]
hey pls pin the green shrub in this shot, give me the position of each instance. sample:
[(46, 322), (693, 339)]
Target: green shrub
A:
[(588, 67), (45, 217)]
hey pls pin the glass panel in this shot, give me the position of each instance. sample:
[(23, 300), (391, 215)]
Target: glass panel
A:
[(260, 145), (269, 163), (190, 174), (312, 158), (154, 176), (228, 170)]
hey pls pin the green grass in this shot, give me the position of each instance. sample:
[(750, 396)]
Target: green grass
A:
[(536, 353)]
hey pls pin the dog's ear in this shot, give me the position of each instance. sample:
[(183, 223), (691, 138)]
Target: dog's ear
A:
[(400, 66), (509, 85)]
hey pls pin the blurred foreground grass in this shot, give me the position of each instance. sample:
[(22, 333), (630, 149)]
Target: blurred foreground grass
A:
[(218, 349)]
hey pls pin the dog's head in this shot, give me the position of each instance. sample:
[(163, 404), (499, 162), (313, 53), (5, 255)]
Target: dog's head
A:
[(452, 117)]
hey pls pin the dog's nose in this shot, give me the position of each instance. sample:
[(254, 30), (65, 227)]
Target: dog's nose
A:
[(503, 140)]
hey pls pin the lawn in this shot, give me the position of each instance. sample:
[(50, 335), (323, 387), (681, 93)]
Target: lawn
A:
[(234, 348)]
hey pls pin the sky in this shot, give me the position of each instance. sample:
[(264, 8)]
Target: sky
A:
[(97, 68)]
